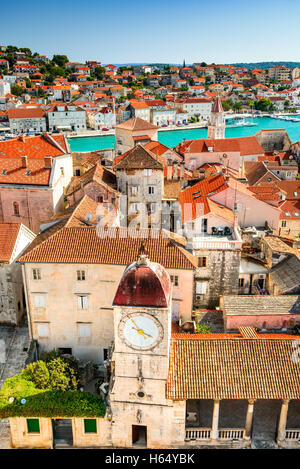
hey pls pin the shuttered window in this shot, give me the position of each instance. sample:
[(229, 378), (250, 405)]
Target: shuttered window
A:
[(43, 330), (83, 302), (90, 426), (33, 425), (201, 288), (84, 330), (39, 301)]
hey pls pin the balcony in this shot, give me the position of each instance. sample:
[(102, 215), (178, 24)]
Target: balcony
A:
[(224, 434), (220, 240)]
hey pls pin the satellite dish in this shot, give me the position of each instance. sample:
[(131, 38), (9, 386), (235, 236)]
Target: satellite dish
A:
[(11, 399), (291, 157), (224, 155), (23, 401), (88, 217)]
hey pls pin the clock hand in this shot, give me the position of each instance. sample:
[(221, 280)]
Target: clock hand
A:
[(141, 332)]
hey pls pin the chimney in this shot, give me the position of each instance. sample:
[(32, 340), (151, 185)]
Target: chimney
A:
[(24, 161), (48, 162), (22, 138), (175, 170), (169, 170)]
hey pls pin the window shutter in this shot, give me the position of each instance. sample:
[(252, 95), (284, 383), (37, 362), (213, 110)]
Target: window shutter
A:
[(90, 426), (85, 303), (43, 330), (39, 301), (33, 425), (201, 288), (84, 330)]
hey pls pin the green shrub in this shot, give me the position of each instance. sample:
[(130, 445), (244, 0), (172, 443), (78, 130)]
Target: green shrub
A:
[(38, 373), (203, 328)]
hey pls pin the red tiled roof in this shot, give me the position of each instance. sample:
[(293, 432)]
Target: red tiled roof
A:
[(233, 368), (8, 236), (244, 145), (21, 113), (118, 246), (33, 147)]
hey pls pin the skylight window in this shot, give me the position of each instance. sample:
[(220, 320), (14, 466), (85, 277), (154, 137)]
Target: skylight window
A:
[(2, 153), (288, 214), (296, 214), (20, 150), (4, 171), (296, 194), (27, 173)]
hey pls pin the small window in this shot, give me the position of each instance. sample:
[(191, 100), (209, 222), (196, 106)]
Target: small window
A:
[(77, 172), (201, 288), (16, 209), (84, 330), (283, 223), (90, 426), (62, 171), (147, 172), (134, 208), (150, 190), (39, 301), (174, 280), (36, 274), (105, 354), (82, 302), (134, 190), (80, 274), (241, 282), (202, 261), (33, 425), (100, 199), (43, 330)]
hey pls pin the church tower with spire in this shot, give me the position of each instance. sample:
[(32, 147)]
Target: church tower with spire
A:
[(216, 127)]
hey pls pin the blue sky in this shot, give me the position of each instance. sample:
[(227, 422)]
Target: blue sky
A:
[(118, 31)]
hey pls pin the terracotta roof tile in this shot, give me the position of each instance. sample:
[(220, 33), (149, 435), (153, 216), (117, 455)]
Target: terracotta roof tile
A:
[(8, 236), (119, 246), (233, 368)]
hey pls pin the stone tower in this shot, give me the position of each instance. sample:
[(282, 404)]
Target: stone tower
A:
[(141, 414), (216, 127)]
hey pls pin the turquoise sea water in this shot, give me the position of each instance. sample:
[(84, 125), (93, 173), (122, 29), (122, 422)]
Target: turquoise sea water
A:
[(173, 137)]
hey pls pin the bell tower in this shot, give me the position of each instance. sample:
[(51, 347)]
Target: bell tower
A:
[(216, 127), (142, 332)]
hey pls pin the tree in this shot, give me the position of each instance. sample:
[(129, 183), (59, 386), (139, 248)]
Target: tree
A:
[(60, 60), (26, 51), (263, 104), (28, 83), (99, 72), (17, 90), (237, 106), (41, 93)]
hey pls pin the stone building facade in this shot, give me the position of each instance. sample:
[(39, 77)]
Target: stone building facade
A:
[(140, 176), (218, 276)]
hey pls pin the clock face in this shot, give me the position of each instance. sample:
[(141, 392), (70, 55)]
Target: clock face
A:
[(140, 331)]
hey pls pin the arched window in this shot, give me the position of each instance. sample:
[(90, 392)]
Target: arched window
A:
[(16, 209)]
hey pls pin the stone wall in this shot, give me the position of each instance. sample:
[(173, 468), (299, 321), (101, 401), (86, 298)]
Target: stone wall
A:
[(20, 438), (221, 274), (274, 140), (12, 308)]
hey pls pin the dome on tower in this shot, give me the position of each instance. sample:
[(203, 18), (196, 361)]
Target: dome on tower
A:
[(144, 283)]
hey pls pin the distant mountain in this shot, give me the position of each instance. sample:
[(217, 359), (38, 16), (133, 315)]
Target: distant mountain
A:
[(265, 65)]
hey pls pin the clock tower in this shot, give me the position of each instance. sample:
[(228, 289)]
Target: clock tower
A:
[(142, 330)]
